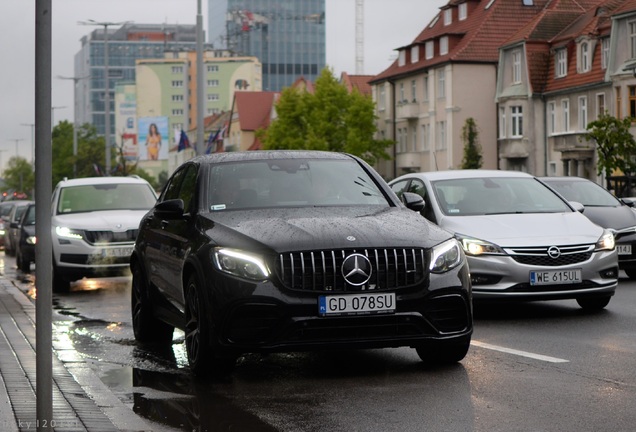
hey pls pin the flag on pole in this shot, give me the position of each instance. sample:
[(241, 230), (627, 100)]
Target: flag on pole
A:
[(184, 142)]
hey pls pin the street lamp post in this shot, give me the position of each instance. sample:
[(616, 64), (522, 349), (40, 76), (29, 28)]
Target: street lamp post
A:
[(17, 142), (53, 108), (32, 126), (107, 142), (75, 109)]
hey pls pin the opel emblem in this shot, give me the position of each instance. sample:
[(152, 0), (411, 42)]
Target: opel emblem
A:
[(356, 269), (554, 252)]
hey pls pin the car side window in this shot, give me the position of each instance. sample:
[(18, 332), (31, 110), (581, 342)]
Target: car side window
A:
[(182, 186), (399, 188), (173, 186)]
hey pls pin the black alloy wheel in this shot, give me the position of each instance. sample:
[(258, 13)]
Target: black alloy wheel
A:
[(146, 327)]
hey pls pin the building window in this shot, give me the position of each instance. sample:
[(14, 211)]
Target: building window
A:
[(402, 58), (177, 83), (619, 103), (213, 97), (441, 135), (414, 138), (413, 91), (632, 102), (551, 118), (516, 66), (177, 126), (502, 122), (177, 98), (632, 38), (600, 104), (425, 85), (402, 97), (582, 113), (213, 83), (429, 47), (426, 144), (415, 54), (463, 11), (177, 112), (443, 45), (562, 62), (213, 68), (382, 97), (177, 69), (605, 47), (565, 105), (448, 16), (516, 121), (585, 57), (441, 84)]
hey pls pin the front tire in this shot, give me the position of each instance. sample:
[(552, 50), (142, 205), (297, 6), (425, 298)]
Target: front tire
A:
[(631, 273), (24, 266), (201, 356), (593, 303), (146, 327), (443, 353), (60, 284)]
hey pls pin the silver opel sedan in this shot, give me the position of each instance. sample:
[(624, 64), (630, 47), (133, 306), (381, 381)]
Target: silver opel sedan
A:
[(523, 241)]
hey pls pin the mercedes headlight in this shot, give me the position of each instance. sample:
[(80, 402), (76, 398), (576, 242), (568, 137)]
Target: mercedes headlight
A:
[(606, 242), (445, 256), (476, 247), (239, 263)]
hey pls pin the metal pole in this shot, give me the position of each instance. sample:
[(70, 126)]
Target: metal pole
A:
[(43, 187), (106, 102), (200, 89)]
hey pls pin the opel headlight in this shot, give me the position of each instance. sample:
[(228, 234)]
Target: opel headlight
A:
[(476, 247), (31, 240), (606, 242), (239, 263), (445, 256)]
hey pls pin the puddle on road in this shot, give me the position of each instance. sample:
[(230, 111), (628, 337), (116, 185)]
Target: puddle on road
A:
[(179, 401)]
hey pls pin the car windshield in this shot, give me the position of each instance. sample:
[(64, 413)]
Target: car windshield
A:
[(29, 217), (496, 195), (100, 197), (587, 193), (291, 183)]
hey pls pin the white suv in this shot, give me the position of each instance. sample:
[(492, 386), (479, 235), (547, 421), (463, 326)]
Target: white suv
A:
[(94, 225)]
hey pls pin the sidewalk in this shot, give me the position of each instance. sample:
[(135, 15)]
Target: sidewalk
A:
[(87, 407)]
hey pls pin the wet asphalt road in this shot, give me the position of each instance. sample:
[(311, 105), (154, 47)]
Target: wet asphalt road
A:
[(544, 366)]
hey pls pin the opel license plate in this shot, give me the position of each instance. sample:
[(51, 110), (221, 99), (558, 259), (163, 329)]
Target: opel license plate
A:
[(356, 304), (555, 277)]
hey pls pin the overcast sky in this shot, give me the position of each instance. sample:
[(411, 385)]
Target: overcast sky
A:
[(388, 25)]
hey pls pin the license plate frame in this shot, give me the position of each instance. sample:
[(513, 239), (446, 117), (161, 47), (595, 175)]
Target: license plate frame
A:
[(556, 277), (624, 249), (117, 252), (356, 304)]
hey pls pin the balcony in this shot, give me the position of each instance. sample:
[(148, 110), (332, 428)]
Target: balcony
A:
[(407, 110)]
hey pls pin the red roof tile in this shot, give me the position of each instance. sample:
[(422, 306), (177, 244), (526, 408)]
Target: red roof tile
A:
[(254, 108), (358, 82)]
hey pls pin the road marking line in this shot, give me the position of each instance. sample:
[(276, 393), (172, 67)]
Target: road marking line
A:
[(519, 353)]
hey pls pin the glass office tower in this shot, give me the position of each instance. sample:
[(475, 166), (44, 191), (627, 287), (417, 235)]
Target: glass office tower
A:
[(287, 36)]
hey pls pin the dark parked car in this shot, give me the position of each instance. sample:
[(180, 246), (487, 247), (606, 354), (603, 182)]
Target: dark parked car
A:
[(605, 210), (290, 251), (25, 246), (12, 231)]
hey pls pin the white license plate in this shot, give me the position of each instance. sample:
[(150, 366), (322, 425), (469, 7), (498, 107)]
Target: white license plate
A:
[(624, 249), (555, 277), (117, 252), (356, 304)]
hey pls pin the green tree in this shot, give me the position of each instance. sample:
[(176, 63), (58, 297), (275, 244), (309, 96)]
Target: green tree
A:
[(330, 119), (615, 145), (90, 151), (19, 175), (472, 149)]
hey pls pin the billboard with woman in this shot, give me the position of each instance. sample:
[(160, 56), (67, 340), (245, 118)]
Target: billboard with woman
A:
[(153, 138)]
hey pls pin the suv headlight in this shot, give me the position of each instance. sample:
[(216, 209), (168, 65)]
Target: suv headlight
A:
[(445, 256), (69, 233), (606, 242), (476, 247), (239, 263)]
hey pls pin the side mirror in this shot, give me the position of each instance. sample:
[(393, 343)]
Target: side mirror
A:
[(413, 201), (577, 206), (170, 209), (629, 202)]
